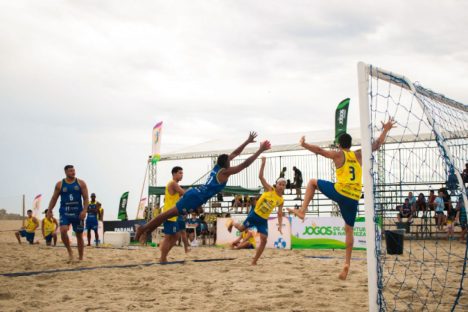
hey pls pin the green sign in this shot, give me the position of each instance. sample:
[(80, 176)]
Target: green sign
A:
[(341, 118)]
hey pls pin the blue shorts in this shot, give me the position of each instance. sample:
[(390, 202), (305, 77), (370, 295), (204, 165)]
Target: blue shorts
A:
[(29, 236), (181, 223), (189, 202), (48, 238), (74, 220), (170, 227), (254, 220), (348, 206), (92, 224)]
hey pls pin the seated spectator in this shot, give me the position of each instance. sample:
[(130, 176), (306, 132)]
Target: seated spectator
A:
[(405, 211), (246, 203), (461, 217), (430, 200), (412, 202), (193, 227), (245, 241), (288, 186), (439, 210), (420, 205), (237, 202), (465, 174), (203, 229)]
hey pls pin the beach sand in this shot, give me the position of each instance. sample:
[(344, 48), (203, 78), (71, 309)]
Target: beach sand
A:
[(284, 280)]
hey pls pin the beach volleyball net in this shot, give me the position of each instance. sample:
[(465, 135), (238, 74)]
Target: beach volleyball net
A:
[(412, 266)]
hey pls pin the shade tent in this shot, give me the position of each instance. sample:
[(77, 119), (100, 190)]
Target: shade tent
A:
[(228, 190)]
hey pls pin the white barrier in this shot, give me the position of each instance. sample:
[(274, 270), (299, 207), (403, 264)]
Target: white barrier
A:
[(117, 239)]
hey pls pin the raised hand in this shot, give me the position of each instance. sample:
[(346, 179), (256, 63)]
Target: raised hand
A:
[(252, 136), (265, 145), (302, 141), (389, 124)]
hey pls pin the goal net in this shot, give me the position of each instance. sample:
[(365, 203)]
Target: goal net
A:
[(415, 263)]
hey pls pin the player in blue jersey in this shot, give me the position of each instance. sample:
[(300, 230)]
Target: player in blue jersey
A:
[(74, 203), (92, 219), (217, 180)]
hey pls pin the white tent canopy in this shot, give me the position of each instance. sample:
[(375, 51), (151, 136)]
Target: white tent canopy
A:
[(289, 142)]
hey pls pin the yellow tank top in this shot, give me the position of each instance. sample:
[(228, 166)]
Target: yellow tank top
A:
[(30, 225), (267, 202), (170, 201), (49, 226), (251, 239), (349, 177)]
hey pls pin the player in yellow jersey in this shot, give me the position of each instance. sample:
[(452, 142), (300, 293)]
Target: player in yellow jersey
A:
[(245, 241), (171, 226), (49, 229), (29, 230), (346, 192), (258, 217)]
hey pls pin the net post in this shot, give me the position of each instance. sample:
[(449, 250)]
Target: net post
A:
[(363, 83)]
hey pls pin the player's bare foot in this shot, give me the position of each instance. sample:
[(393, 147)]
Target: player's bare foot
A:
[(344, 273), (229, 225), (187, 250), (297, 212), (254, 262)]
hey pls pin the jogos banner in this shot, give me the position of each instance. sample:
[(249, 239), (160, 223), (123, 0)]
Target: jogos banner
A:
[(325, 233), (275, 239)]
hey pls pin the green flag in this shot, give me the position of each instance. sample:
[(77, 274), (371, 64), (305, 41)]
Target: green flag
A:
[(341, 118), (123, 207)]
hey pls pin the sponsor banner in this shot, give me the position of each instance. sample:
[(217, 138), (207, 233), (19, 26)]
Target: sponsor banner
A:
[(123, 207), (275, 239), (36, 206), (72, 235), (341, 118), (123, 226), (325, 233), (156, 142)]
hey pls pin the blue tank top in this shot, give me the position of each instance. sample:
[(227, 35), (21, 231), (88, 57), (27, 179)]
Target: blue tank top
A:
[(70, 198), (212, 186), (92, 214)]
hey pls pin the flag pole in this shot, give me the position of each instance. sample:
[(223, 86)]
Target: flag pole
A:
[(143, 187)]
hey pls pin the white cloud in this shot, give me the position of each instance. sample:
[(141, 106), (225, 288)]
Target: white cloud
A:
[(83, 82)]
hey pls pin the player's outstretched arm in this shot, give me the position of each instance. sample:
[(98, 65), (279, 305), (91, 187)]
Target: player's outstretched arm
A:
[(53, 200), (238, 151), (317, 149), (280, 219), (264, 182), (225, 173), (386, 127)]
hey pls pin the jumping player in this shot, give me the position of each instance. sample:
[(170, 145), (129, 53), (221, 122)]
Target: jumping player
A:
[(346, 192), (216, 182), (258, 217), (74, 203)]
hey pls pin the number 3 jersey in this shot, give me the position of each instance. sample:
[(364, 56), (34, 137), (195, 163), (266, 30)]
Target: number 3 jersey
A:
[(349, 177), (70, 198)]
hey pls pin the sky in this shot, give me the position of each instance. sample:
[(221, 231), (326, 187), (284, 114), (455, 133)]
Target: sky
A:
[(84, 82)]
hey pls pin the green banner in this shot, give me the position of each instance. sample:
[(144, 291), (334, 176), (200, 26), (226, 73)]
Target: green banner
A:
[(123, 207), (341, 118)]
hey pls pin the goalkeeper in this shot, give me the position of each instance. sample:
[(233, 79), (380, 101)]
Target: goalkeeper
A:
[(346, 192)]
